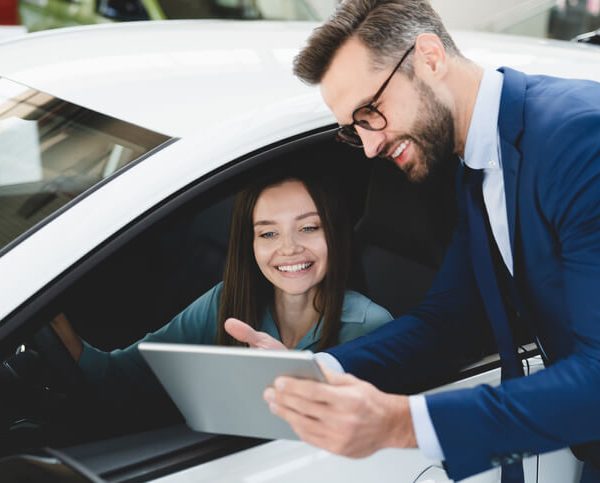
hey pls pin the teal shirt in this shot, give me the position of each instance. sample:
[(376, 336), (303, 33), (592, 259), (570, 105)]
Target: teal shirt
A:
[(117, 371)]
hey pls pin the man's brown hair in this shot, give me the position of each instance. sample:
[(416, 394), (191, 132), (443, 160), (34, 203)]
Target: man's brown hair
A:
[(386, 27)]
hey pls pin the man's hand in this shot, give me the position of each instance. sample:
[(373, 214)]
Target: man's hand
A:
[(348, 416), (244, 333)]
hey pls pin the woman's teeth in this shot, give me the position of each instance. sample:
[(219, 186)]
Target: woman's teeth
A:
[(294, 268), (400, 149)]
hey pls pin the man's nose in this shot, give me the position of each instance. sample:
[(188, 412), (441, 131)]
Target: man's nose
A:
[(373, 141)]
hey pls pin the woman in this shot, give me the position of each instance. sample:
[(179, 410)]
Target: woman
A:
[(285, 275)]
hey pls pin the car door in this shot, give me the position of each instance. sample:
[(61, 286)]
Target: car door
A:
[(145, 260)]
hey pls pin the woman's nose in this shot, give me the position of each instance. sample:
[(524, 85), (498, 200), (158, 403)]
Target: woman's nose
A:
[(289, 245)]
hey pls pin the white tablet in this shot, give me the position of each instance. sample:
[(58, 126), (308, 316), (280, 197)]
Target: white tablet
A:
[(220, 389)]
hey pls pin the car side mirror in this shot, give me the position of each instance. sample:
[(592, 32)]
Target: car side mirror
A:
[(592, 38)]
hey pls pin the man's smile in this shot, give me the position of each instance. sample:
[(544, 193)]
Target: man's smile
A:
[(399, 154)]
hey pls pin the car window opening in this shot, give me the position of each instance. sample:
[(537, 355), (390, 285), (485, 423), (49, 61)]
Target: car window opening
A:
[(401, 231)]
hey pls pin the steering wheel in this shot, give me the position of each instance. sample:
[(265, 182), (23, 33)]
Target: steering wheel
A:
[(66, 375)]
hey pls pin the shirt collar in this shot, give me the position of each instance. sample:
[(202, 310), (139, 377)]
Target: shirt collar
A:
[(481, 148)]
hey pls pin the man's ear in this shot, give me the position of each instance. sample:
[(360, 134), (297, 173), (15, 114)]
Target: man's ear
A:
[(430, 60)]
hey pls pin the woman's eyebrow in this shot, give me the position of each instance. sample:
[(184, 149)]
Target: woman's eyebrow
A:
[(264, 222), (299, 217), (306, 215)]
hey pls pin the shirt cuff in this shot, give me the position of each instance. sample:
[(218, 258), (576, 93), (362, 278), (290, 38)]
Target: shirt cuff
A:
[(330, 362), (425, 434)]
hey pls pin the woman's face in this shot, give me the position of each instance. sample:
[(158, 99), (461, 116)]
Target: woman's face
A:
[(289, 242)]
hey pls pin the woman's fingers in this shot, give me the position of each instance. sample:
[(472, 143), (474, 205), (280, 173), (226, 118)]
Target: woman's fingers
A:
[(244, 333)]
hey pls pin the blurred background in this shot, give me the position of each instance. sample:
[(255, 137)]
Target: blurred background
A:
[(557, 19)]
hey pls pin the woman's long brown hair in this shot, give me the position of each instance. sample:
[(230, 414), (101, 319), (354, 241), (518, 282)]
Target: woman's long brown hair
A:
[(247, 294)]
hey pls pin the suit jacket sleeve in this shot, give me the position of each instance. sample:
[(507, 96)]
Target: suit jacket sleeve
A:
[(421, 348), (558, 406)]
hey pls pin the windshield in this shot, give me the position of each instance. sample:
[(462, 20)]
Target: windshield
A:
[(53, 151)]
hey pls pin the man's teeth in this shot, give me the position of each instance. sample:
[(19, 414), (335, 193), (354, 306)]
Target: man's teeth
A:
[(294, 268), (400, 149)]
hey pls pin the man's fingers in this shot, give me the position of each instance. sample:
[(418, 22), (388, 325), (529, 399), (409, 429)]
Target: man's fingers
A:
[(313, 390), (315, 431), (302, 388), (298, 404), (336, 378), (307, 428)]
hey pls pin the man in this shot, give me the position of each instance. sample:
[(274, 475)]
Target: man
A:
[(526, 248)]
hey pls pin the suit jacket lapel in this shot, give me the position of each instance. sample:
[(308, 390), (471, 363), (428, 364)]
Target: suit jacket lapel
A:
[(510, 125), (510, 166)]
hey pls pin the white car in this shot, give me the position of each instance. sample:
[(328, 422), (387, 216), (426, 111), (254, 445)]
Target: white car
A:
[(121, 147)]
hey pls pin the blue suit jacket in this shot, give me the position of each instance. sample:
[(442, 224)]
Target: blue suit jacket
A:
[(550, 141)]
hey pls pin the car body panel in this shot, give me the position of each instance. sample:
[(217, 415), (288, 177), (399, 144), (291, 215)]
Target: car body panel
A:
[(206, 144), (224, 68), (252, 98), (166, 76), (127, 71), (296, 462)]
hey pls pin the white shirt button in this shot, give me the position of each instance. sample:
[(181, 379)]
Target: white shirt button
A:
[(492, 163)]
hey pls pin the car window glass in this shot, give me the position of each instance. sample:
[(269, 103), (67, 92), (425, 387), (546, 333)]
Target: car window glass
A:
[(122, 9), (239, 9), (52, 151)]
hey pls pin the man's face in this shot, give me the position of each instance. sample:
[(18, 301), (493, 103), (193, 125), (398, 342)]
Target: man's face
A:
[(420, 127)]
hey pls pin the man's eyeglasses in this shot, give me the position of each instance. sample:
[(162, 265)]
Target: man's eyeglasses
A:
[(368, 116)]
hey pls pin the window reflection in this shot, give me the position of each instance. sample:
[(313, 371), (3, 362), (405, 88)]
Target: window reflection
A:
[(53, 151), (240, 9)]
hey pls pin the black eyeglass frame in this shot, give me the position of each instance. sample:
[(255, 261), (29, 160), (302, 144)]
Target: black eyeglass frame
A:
[(347, 132)]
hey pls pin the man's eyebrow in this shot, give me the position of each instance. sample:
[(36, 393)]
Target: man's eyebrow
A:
[(362, 103), (299, 217)]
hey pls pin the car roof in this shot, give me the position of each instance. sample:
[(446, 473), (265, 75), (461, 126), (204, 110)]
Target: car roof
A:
[(174, 77), (178, 77)]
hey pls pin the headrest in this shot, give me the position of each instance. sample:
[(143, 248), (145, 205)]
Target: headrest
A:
[(414, 220)]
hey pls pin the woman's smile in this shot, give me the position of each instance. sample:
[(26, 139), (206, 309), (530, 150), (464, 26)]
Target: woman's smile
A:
[(301, 267)]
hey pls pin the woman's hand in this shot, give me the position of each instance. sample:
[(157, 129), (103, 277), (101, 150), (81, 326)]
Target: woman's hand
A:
[(67, 335), (244, 333)]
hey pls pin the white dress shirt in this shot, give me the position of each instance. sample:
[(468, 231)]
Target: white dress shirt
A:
[(482, 151)]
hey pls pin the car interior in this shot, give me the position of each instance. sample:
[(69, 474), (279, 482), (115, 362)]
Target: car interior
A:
[(152, 269)]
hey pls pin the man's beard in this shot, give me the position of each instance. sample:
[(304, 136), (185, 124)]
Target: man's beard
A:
[(433, 135)]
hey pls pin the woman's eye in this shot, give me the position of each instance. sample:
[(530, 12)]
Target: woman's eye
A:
[(310, 228), (267, 235)]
